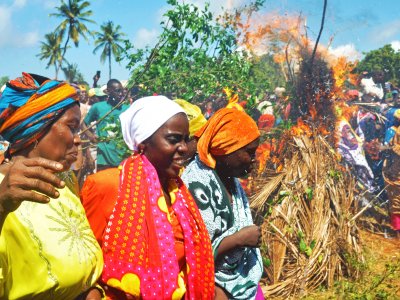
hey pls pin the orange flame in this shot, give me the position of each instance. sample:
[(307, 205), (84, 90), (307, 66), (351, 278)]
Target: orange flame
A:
[(301, 128)]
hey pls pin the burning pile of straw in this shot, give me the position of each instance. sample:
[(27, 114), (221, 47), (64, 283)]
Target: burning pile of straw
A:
[(309, 237)]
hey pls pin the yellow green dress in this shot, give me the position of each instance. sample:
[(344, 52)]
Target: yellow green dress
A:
[(48, 251)]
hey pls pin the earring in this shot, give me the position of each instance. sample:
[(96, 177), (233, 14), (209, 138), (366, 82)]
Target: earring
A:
[(35, 145)]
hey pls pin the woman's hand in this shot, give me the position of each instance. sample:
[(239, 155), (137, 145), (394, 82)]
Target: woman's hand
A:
[(30, 179), (249, 236), (94, 294)]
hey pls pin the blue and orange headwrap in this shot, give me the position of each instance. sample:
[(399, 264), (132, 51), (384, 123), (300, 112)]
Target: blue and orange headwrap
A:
[(29, 105)]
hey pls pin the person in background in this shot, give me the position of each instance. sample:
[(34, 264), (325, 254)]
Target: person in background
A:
[(106, 113), (156, 245), (372, 87), (226, 152), (196, 121), (391, 175), (47, 249)]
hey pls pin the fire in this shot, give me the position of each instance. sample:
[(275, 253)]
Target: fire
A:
[(301, 128)]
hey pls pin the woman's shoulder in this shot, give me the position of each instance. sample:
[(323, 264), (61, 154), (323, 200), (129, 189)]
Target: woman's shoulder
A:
[(194, 170)]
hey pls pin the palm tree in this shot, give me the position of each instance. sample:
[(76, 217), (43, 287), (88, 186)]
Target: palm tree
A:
[(51, 49), (109, 39), (74, 14), (72, 74)]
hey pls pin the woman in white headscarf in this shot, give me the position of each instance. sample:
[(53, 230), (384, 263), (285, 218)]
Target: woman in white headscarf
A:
[(156, 245)]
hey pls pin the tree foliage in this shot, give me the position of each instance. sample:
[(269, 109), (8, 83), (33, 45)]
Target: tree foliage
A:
[(75, 14), (385, 59), (109, 39), (3, 80), (196, 56), (72, 73), (50, 49)]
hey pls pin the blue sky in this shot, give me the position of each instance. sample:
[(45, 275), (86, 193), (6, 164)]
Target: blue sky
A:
[(355, 25)]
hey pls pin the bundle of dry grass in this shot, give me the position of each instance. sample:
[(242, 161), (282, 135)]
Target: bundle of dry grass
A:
[(308, 240)]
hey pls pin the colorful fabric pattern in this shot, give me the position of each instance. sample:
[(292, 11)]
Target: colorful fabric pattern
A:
[(239, 271), (29, 105), (139, 246), (225, 132), (48, 251)]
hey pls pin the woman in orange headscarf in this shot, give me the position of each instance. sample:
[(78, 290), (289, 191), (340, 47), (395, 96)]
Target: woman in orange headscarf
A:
[(226, 150)]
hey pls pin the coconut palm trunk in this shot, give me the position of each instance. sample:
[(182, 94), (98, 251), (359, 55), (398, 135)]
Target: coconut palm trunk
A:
[(109, 62)]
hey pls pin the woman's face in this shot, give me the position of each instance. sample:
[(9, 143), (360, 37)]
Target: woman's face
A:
[(238, 163), (192, 149), (61, 142), (167, 147)]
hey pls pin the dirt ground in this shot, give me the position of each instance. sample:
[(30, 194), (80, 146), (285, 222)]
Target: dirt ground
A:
[(381, 273)]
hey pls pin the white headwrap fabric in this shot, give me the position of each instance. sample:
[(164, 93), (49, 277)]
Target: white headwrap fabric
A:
[(144, 117)]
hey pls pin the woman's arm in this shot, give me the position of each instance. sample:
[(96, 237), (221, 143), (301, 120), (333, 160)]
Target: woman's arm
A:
[(249, 236)]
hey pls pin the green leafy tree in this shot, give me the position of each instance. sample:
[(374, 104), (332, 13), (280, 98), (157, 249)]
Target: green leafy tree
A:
[(50, 49), (72, 73), (196, 56), (266, 74), (3, 80), (75, 14), (386, 59), (109, 39)]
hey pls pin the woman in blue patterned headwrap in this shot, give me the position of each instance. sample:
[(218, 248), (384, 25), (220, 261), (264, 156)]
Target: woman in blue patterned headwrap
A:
[(47, 249)]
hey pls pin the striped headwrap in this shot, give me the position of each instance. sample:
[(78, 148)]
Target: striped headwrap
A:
[(29, 105)]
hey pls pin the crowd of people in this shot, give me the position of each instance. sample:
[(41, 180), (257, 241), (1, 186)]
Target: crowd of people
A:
[(135, 229), (166, 216), (367, 129)]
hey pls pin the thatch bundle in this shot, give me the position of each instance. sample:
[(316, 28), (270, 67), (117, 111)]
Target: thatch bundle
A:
[(308, 238)]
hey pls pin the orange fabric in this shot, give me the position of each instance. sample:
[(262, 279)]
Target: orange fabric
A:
[(32, 107), (266, 121), (98, 195), (24, 82), (225, 132)]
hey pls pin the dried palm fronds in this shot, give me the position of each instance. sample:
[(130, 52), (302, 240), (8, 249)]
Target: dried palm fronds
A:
[(307, 237)]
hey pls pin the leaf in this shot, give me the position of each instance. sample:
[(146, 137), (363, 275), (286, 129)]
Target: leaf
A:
[(312, 245), (302, 246), (309, 192), (266, 262), (320, 257)]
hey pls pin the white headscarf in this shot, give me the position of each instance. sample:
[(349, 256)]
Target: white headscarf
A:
[(144, 117)]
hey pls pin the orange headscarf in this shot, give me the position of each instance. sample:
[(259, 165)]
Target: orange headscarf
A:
[(225, 132)]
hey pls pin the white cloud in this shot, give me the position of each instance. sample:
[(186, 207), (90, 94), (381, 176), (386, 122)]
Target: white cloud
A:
[(386, 32), (396, 45), (19, 3), (9, 34), (349, 51), (50, 4), (5, 20), (145, 37), (217, 7)]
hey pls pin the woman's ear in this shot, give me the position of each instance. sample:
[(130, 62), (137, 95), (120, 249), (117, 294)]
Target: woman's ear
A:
[(141, 148)]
